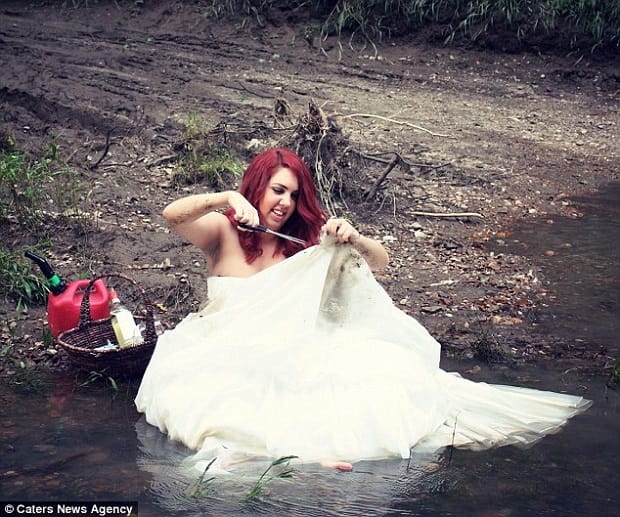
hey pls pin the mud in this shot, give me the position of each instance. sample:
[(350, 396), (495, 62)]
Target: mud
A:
[(505, 136)]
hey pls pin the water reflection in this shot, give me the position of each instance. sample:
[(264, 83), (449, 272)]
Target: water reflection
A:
[(313, 490)]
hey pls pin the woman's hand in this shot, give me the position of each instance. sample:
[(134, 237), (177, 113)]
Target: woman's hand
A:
[(342, 230), (244, 211), (373, 251)]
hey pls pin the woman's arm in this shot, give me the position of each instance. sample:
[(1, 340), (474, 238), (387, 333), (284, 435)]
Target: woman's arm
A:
[(192, 217), (373, 251)]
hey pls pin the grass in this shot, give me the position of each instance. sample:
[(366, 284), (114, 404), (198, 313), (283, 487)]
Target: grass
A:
[(96, 376), (201, 160), (19, 283), (76, 4), (195, 127), (266, 477), (595, 20), (578, 23), (581, 24), (215, 165), (39, 194), (22, 185), (199, 489), (28, 186), (574, 24)]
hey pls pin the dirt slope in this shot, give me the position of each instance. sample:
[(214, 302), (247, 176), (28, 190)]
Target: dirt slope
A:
[(507, 136)]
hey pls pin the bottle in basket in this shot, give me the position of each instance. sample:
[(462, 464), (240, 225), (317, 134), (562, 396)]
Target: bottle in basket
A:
[(125, 328)]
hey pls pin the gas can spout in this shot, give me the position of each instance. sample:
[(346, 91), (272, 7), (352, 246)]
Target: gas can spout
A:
[(54, 282), (42, 263)]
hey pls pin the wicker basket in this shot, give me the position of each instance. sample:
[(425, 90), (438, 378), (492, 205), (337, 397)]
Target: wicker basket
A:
[(80, 342)]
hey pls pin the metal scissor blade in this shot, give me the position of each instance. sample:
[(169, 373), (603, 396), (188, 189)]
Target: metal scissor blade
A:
[(264, 229), (284, 236)]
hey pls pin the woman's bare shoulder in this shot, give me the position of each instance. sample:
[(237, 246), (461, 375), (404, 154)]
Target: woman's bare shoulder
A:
[(206, 232)]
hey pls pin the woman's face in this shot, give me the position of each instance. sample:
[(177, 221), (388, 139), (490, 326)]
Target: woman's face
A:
[(279, 200)]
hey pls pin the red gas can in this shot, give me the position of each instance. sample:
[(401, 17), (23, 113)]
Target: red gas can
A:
[(64, 300), (63, 309)]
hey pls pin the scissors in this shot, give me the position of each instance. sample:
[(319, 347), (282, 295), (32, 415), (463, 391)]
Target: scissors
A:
[(264, 229)]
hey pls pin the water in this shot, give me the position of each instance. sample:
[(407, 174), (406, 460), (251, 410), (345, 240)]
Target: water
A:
[(580, 257), (88, 443)]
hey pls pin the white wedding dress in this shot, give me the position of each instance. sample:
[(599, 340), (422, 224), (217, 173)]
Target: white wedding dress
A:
[(311, 358)]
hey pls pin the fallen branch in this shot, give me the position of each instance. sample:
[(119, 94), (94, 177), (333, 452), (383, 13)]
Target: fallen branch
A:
[(451, 214), (394, 121), (373, 191), (425, 168)]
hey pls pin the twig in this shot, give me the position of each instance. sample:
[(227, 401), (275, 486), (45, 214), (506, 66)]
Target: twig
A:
[(373, 191), (257, 94), (451, 214), (105, 152), (401, 122), (162, 159), (378, 157), (117, 164), (434, 167)]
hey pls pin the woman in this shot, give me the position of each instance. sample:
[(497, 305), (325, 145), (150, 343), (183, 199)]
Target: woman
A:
[(301, 352), (277, 191)]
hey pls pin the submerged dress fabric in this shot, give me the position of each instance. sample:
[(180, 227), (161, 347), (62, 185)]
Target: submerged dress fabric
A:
[(311, 358)]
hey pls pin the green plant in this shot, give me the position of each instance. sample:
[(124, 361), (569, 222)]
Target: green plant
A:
[(65, 195), (6, 352), (100, 375), (308, 33), (574, 23), (267, 478), (199, 488), (219, 9), (41, 194), (18, 281), (21, 185), (48, 338), (577, 23), (366, 21), (208, 162), (27, 186), (194, 126)]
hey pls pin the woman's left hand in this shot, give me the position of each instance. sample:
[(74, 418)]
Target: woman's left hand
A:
[(342, 229), (372, 250)]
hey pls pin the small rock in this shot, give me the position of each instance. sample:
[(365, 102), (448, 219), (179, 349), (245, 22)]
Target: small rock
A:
[(431, 309)]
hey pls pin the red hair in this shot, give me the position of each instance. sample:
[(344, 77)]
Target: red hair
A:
[(308, 217)]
